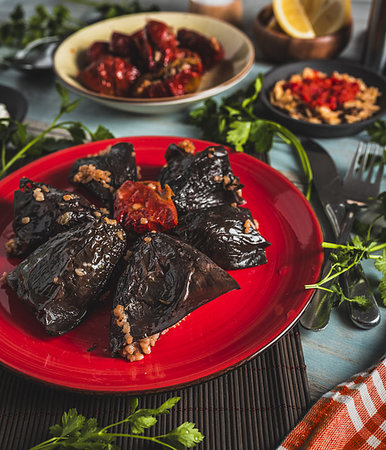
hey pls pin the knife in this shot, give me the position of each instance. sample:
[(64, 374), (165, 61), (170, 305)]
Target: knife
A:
[(328, 185)]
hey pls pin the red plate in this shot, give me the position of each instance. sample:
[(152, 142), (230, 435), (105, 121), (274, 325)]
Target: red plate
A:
[(214, 338)]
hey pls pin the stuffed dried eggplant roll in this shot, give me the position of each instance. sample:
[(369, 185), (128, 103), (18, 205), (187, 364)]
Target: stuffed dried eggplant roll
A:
[(201, 180), (227, 234), (41, 211), (165, 280), (65, 275), (103, 173)]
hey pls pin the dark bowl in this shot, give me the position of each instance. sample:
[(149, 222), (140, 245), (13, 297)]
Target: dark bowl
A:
[(279, 47), (14, 101), (304, 128)]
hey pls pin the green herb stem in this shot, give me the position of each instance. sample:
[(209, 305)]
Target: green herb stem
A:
[(48, 444), (147, 438), (20, 153), (301, 153)]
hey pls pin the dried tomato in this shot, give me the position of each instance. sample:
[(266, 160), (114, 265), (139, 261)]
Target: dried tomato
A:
[(109, 75), (167, 64), (180, 77), (143, 206), (96, 50), (210, 50)]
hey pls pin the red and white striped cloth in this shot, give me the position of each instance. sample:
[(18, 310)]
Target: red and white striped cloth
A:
[(351, 416)]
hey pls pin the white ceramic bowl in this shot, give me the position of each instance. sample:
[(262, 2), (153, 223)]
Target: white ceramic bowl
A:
[(239, 57)]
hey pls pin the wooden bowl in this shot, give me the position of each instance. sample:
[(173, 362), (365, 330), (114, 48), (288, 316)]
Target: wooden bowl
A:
[(279, 47)]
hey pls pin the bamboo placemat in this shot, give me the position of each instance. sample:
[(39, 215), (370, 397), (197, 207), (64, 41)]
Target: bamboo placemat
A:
[(250, 408)]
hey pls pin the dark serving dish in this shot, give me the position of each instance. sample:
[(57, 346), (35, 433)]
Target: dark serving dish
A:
[(304, 128), (14, 101)]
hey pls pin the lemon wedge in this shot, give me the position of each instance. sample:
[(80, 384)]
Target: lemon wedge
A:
[(327, 16), (292, 18)]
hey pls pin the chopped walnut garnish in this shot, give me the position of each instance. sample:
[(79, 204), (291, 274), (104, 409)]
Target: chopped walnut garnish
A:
[(25, 220), (215, 43), (45, 188), (64, 218), (4, 278), (11, 246), (55, 280), (104, 210), (97, 214), (187, 146), (38, 195), (110, 221), (104, 152), (80, 272), (247, 226), (217, 178), (87, 173), (120, 235), (143, 221), (136, 206), (118, 311), (147, 239), (67, 197), (226, 180)]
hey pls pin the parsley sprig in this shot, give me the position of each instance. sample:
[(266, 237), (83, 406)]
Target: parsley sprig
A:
[(346, 256), (17, 144), (377, 133), (233, 122), (78, 432), (19, 30)]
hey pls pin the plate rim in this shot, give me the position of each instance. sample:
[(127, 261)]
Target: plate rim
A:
[(103, 391), (22, 102)]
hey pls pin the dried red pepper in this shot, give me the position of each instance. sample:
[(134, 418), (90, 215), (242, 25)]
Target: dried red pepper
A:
[(320, 90), (143, 206)]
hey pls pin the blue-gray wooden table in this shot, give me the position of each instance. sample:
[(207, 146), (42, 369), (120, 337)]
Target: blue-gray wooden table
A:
[(331, 355)]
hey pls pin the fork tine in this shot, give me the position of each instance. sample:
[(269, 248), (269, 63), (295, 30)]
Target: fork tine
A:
[(363, 162), (374, 158), (351, 170), (378, 178)]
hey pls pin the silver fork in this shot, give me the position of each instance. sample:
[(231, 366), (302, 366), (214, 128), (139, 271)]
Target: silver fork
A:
[(359, 185)]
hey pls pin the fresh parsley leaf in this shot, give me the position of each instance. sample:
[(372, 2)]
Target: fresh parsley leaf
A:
[(101, 133), (382, 289), (17, 145), (77, 432), (377, 133), (186, 434), (380, 264), (233, 122), (262, 136), (18, 30), (141, 420), (238, 134), (346, 256), (71, 422)]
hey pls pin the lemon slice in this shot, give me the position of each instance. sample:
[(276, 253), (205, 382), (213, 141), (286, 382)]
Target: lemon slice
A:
[(327, 16), (292, 18)]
